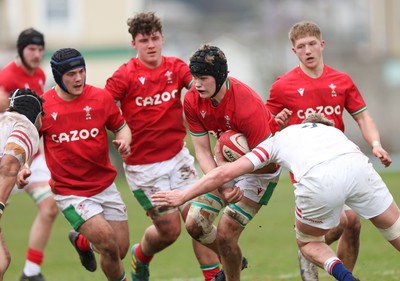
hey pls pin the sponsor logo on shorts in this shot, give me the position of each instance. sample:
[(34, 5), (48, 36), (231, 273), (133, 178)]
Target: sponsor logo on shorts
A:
[(312, 220)]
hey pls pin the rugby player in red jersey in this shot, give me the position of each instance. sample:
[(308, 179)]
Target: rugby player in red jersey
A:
[(74, 132), (214, 104), (149, 89), (314, 87)]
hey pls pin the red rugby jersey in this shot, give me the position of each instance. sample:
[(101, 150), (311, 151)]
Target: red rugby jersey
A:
[(241, 110), (329, 94), (14, 77), (76, 141), (151, 104)]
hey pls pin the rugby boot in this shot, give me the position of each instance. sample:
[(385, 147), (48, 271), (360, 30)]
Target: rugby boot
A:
[(139, 270), (88, 260)]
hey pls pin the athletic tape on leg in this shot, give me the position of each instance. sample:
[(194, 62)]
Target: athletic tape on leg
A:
[(308, 238), (162, 210), (241, 213), (203, 211), (38, 194), (392, 232)]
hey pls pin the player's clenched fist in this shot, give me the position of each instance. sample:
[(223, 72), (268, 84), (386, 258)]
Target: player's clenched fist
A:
[(22, 177)]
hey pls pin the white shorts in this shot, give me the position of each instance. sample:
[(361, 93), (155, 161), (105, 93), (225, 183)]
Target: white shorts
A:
[(78, 209), (39, 173), (39, 170), (347, 179), (258, 187), (178, 172)]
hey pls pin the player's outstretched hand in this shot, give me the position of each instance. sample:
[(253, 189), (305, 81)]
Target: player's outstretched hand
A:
[(173, 198), (379, 152), (122, 147), (22, 178), (232, 194)]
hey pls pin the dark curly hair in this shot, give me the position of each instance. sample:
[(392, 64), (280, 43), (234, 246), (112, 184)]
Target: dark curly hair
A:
[(144, 23)]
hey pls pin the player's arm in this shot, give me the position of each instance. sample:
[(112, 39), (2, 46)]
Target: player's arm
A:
[(9, 167), (203, 152), (370, 133), (122, 142), (211, 181), (220, 160), (207, 163)]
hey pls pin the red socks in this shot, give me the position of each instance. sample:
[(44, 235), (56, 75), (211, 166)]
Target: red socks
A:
[(210, 273), (34, 256), (142, 257), (82, 243)]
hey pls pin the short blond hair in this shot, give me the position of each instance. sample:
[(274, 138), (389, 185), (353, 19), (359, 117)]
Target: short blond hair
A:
[(319, 118), (303, 29)]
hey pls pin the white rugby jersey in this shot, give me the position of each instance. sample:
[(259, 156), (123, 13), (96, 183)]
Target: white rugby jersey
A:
[(300, 147), (19, 137)]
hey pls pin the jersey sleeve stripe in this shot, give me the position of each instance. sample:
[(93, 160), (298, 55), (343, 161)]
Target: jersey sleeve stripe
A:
[(24, 139), (358, 111), (198, 134), (261, 153)]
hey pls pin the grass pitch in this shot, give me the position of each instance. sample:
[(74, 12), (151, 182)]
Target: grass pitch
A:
[(268, 243)]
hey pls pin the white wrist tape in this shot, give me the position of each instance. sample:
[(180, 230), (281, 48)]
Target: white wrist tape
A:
[(376, 143)]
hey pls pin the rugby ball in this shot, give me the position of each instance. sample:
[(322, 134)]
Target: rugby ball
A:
[(233, 145)]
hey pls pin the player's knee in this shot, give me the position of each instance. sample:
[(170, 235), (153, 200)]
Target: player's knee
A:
[(47, 206), (193, 228), (201, 216), (167, 222), (50, 211), (107, 246), (392, 232), (110, 249), (199, 224), (123, 248)]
